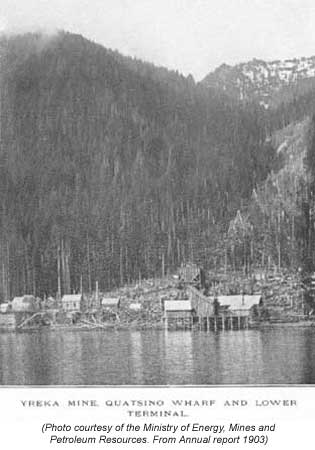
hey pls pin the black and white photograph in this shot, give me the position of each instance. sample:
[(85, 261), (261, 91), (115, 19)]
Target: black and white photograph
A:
[(157, 193)]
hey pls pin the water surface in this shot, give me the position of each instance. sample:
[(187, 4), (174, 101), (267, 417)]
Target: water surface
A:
[(267, 356)]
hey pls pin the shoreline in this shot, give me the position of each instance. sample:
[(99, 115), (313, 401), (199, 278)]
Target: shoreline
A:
[(157, 326)]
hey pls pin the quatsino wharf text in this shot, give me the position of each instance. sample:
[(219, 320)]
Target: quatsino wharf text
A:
[(158, 403)]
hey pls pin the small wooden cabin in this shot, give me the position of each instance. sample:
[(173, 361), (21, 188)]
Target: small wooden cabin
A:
[(110, 303), (25, 303), (110, 308), (72, 302), (178, 309), (4, 308)]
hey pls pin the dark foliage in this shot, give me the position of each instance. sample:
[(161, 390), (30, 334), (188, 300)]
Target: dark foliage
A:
[(111, 168)]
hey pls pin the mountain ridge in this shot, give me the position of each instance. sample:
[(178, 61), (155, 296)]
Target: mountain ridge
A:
[(261, 80), (112, 169)]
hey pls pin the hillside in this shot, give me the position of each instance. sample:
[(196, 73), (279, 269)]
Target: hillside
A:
[(268, 83), (277, 210), (112, 169)]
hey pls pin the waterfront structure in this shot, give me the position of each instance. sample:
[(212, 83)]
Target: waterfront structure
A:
[(240, 305), (203, 305), (72, 302), (178, 308), (178, 313)]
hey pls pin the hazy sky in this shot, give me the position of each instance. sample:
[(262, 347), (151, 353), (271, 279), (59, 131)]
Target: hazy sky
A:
[(193, 36)]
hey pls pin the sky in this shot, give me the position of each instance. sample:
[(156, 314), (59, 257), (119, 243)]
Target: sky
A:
[(191, 36)]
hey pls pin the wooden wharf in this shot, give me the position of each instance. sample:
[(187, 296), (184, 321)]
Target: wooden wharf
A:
[(210, 323), (204, 313)]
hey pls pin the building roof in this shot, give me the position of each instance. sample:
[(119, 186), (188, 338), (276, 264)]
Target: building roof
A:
[(110, 301), (71, 298), (4, 306), (25, 302), (18, 300), (239, 302), (24, 298), (177, 305)]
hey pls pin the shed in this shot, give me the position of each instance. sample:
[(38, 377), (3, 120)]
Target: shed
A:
[(135, 306), (72, 302), (26, 303), (110, 303), (110, 307), (240, 305), (178, 308), (4, 308)]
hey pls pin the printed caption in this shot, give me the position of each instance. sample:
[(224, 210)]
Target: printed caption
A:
[(216, 435)]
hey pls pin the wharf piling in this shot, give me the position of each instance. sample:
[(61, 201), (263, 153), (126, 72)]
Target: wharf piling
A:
[(209, 323)]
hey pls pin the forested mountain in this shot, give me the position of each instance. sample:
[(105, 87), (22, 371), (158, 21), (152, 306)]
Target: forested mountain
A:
[(113, 169), (277, 227)]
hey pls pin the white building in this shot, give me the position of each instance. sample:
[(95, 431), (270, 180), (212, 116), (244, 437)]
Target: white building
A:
[(72, 302)]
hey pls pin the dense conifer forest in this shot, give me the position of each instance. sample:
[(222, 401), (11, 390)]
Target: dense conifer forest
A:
[(112, 169)]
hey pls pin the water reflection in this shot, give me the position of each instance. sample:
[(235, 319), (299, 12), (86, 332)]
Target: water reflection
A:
[(270, 356), (178, 357)]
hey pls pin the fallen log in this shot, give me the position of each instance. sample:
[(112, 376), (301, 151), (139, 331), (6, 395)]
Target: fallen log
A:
[(29, 319)]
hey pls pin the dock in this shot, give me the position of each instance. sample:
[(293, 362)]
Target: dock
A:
[(201, 312)]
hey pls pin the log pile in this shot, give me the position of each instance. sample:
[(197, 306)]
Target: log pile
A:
[(142, 304), (284, 292)]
